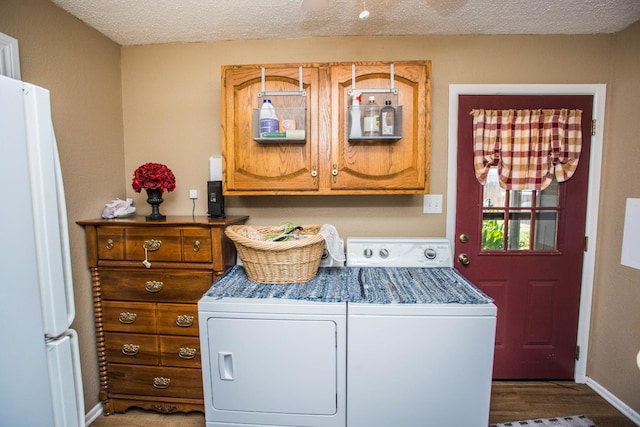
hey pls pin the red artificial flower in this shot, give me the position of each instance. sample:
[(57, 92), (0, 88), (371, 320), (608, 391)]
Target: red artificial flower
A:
[(153, 176)]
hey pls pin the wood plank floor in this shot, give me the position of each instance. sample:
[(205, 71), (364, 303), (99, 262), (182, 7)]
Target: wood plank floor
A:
[(524, 400), (510, 401)]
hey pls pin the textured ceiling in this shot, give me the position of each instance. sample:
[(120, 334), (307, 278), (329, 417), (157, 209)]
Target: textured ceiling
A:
[(136, 22)]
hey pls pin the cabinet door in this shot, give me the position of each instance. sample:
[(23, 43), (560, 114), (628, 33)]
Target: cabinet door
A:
[(252, 167), (382, 166)]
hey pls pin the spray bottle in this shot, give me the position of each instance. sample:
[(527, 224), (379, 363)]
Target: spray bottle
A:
[(356, 128)]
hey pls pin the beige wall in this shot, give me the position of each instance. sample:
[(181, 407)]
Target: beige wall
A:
[(171, 108), (615, 333), (81, 68), (171, 96), (172, 114)]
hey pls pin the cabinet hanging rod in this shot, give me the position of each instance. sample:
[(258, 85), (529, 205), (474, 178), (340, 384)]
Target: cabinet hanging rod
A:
[(301, 90), (391, 89)]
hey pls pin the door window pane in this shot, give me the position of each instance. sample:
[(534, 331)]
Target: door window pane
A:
[(519, 227), (520, 198), (492, 230), (546, 231), (549, 197), (493, 195)]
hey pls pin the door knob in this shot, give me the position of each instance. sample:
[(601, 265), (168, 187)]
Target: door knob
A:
[(464, 259), (464, 238)]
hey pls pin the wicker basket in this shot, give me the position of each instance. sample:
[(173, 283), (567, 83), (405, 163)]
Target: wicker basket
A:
[(292, 261)]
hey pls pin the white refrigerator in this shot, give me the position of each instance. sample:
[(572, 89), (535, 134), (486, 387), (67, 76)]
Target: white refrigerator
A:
[(40, 381)]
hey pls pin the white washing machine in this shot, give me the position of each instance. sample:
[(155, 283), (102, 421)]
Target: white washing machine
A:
[(420, 340), (397, 338), (274, 355)]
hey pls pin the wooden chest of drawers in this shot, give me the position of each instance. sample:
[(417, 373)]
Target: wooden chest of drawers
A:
[(147, 279)]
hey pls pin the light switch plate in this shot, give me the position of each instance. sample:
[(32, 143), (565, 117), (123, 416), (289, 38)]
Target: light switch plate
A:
[(432, 204)]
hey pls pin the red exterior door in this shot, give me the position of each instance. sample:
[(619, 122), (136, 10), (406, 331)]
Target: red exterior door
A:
[(525, 249)]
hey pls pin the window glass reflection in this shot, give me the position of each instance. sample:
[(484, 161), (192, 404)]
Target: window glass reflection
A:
[(550, 196), (520, 198), (519, 230), (493, 195), (546, 231)]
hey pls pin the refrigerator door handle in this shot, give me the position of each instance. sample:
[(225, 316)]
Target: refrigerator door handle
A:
[(49, 213), (64, 236)]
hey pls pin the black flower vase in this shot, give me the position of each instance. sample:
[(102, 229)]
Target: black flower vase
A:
[(154, 198)]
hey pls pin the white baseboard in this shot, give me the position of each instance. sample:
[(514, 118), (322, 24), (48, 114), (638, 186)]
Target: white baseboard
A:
[(93, 414), (614, 401)]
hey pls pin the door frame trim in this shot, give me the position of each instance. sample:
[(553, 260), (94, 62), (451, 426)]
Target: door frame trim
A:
[(9, 56), (598, 91)]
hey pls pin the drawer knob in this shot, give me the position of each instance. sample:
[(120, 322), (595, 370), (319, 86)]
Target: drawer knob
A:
[(187, 353), (184, 321), (153, 286), (109, 244), (127, 317), (130, 349), (161, 382), (152, 245), (196, 246)]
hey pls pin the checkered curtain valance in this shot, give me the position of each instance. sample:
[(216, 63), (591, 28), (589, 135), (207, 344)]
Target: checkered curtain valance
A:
[(527, 146)]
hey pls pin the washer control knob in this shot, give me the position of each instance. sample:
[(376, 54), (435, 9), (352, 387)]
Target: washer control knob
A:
[(368, 253), (384, 253), (430, 253)]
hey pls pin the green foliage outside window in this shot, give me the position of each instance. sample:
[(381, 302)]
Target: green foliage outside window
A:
[(492, 234)]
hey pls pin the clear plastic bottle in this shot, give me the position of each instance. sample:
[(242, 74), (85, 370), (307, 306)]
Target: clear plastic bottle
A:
[(371, 118), (387, 119), (268, 118)]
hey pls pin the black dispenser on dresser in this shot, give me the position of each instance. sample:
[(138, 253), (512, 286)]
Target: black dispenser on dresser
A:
[(215, 199)]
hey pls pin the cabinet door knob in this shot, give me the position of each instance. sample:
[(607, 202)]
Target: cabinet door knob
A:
[(152, 245), (187, 353), (130, 349), (161, 382), (184, 321), (127, 318), (153, 286)]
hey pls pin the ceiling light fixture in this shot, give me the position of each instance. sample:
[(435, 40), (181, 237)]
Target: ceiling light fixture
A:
[(365, 13)]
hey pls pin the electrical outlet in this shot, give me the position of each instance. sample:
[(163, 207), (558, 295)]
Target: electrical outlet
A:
[(432, 204), (193, 194)]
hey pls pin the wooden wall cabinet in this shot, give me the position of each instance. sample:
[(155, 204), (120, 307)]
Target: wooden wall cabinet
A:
[(147, 318), (327, 162)]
